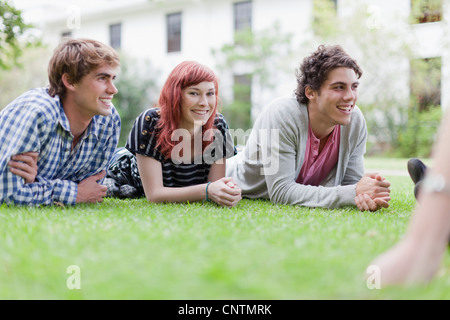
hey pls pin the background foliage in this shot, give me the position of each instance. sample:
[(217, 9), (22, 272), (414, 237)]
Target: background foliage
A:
[(137, 91), (12, 39), (29, 72), (260, 56), (397, 126)]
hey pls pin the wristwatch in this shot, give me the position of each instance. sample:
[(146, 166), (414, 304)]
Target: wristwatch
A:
[(435, 183)]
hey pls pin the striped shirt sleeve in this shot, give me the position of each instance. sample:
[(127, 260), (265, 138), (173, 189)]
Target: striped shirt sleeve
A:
[(143, 136)]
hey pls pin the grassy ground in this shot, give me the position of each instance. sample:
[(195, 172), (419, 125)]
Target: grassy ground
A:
[(129, 249), (391, 164)]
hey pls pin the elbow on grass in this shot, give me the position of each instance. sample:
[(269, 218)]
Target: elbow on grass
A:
[(154, 198)]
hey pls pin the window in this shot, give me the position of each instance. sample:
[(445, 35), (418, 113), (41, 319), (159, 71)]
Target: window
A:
[(173, 32), (115, 35), (242, 15), (423, 11), (425, 81)]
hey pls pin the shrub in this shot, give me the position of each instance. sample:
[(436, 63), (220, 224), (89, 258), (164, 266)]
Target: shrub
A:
[(418, 138)]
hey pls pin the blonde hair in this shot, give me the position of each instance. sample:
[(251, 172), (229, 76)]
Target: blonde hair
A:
[(76, 58)]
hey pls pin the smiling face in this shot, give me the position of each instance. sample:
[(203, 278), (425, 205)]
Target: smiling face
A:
[(335, 102), (197, 104), (93, 94)]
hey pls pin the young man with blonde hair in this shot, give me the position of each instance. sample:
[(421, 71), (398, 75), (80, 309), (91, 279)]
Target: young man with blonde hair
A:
[(56, 142)]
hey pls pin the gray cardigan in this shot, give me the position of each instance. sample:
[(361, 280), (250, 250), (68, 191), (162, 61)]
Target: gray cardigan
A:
[(274, 153)]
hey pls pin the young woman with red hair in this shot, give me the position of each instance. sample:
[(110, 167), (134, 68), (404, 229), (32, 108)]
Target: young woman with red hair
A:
[(177, 151)]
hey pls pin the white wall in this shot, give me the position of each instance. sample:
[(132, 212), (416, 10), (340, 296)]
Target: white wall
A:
[(208, 24), (295, 17)]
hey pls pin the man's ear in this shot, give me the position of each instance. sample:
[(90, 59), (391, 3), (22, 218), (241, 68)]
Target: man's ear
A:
[(310, 93), (66, 81)]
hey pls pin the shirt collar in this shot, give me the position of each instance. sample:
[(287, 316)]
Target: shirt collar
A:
[(331, 137), (94, 125), (62, 118)]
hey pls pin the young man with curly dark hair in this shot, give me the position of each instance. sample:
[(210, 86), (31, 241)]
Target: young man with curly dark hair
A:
[(308, 149)]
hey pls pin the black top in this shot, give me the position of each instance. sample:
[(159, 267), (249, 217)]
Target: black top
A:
[(143, 137)]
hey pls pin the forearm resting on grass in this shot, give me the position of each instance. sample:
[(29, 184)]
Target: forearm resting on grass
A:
[(221, 190), (41, 192), (23, 186), (90, 191), (416, 258)]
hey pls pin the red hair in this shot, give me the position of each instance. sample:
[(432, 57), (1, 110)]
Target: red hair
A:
[(186, 74)]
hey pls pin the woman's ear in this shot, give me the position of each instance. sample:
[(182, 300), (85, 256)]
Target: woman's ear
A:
[(66, 81)]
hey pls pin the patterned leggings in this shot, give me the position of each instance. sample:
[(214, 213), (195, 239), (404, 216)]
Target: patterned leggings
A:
[(122, 176)]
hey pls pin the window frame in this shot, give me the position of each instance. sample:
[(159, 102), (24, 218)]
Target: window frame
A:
[(115, 35), (174, 31), (421, 12), (242, 15)]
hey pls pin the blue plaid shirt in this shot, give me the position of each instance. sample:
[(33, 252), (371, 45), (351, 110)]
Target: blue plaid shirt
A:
[(36, 122)]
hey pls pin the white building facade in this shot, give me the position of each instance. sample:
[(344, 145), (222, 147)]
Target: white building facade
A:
[(166, 32)]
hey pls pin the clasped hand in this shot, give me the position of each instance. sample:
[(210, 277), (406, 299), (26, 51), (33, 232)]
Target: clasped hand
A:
[(224, 192), (372, 192)]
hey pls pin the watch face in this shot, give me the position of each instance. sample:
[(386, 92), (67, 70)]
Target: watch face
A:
[(435, 183)]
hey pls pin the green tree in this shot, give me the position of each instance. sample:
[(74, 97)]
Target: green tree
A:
[(29, 72), (425, 82), (137, 91), (324, 19), (12, 28), (424, 114), (254, 60), (384, 53)]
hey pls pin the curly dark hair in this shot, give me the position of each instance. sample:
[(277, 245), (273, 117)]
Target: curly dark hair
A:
[(314, 70)]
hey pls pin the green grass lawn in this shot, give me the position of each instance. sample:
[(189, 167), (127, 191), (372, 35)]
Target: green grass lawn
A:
[(130, 249)]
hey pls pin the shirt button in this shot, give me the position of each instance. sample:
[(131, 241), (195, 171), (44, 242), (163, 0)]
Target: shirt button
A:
[(142, 146), (158, 112), (147, 118), (144, 132)]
